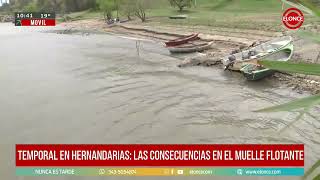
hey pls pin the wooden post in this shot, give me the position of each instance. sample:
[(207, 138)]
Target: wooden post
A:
[(117, 7), (138, 47), (318, 58)]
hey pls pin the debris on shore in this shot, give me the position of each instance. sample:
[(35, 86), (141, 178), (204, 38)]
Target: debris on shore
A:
[(210, 58), (305, 52), (200, 60), (6, 18)]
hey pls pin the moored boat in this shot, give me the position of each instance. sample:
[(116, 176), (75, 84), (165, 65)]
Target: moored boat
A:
[(182, 40), (178, 17), (255, 72), (263, 51), (189, 48)]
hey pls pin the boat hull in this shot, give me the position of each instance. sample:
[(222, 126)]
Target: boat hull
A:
[(196, 48), (264, 51), (253, 71), (183, 40), (258, 75)]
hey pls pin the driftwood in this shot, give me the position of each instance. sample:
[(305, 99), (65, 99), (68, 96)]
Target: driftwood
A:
[(200, 60), (207, 60)]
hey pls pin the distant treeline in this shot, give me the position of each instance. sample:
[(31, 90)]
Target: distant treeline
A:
[(126, 8), (66, 6), (59, 6)]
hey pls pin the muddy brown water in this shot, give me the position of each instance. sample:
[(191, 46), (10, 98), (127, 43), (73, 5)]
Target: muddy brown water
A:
[(94, 88)]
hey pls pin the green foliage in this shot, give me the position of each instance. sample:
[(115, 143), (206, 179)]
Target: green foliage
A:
[(301, 68), (246, 14), (181, 4), (304, 103), (311, 5), (222, 4), (311, 69), (127, 8), (88, 14), (311, 36), (317, 177), (300, 4), (52, 5), (107, 6), (19, 4), (49, 6), (77, 5), (31, 7), (312, 169), (141, 7), (5, 7)]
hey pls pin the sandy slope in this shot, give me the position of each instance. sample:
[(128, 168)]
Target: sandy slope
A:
[(225, 40)]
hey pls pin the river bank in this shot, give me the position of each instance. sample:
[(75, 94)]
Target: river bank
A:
[(68, 84), (225, 41)]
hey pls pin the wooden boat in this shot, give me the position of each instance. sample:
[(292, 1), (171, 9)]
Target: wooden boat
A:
[(189, 48), (182, 40), (263, 51), (255, 72)]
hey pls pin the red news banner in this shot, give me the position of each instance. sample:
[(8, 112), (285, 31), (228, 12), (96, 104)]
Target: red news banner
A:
[(160, 155), (38, 22)]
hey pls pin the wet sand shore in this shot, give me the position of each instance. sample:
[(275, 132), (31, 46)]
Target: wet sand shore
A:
[(98, 84), (225, 41)]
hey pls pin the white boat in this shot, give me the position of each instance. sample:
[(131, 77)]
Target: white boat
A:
[(263, 51), (255, 72)]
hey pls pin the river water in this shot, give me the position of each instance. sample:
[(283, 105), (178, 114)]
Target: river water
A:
[(91, 88)]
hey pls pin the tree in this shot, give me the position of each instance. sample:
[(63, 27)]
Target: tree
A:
[(31, 7), (50, 6), (140, 8), (19, 4), (181, 4), (127, 8), (53, 5), (116, 6), (5, 7), (107, 6), (78, 5)]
